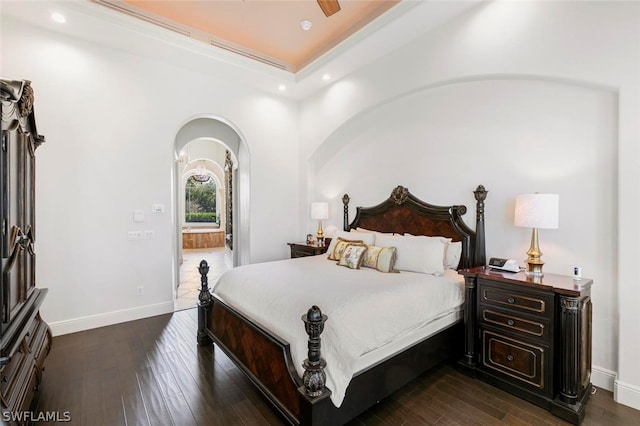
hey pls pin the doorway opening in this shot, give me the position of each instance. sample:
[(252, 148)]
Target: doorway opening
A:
[(211, 218)]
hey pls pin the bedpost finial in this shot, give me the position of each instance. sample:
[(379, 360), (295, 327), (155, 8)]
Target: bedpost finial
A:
[(204, 297), (314, 314), (314, 322), (314, 377), (479, 252), (203, 268), (345, 216), (480, 193)]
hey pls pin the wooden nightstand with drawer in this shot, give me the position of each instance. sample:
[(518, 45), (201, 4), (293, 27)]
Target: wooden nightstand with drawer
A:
[(303, 249), (531, 337)]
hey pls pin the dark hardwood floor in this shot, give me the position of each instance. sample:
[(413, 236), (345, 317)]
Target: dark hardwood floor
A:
[(151, 372)]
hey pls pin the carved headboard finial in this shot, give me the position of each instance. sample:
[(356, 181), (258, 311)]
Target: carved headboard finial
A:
[(399, 195)]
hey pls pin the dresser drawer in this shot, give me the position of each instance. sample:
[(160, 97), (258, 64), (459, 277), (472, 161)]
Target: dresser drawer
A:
[(14, 389), (26, 396), (10, 374), (32, 329), (532, 303), (516, 359), (535, 329)]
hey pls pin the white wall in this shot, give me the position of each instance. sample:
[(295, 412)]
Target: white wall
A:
[(110, 120), (520, 97)]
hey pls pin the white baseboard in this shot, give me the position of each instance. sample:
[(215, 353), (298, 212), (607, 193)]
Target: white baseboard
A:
[(627, 394), (109, 318), (623, 393), (603, 378)]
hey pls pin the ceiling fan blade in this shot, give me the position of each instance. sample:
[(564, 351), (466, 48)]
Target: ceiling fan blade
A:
[(329, 7)]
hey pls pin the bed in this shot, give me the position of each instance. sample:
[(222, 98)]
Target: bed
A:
[(393, 340)]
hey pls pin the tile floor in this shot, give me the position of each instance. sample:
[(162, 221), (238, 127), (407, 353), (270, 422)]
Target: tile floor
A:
[(187, 293)]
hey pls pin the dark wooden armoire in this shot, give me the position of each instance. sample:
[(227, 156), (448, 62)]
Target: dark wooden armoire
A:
[(25, 339)]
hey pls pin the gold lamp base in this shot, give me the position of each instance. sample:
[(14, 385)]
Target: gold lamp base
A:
[(534, 261), (320, 234)]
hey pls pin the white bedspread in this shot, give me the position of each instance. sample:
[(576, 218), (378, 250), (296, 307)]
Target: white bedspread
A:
[(366, 308)]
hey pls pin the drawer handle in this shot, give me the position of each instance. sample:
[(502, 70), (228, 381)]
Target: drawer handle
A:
[(511, 300), (509, 357), (510, 322)]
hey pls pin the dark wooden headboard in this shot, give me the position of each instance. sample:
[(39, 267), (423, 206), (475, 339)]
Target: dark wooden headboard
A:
[(404, 213)]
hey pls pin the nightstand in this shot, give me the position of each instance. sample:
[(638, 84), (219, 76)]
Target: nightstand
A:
[(531, 337), (303, 249)]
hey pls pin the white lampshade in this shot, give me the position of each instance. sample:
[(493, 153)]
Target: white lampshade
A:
[(537, 211), (319, 210)]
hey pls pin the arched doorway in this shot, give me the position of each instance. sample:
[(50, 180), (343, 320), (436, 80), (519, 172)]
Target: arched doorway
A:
[(212, 146)]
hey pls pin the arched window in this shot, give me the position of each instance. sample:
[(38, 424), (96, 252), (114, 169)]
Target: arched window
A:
[(200, 200)]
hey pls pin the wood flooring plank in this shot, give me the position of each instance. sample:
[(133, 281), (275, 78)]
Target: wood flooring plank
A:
[(249, 413), (423, 409), (472, 400), (179, 410), (522, 410), (154, 402), (112, 410), (199, 399), (134, 410), (391, 410), (449, 413), (168, 384), (92, 397), (223, 416)]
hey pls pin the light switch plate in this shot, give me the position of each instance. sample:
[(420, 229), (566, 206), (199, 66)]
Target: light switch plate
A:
[(138, 216), (157, 208)]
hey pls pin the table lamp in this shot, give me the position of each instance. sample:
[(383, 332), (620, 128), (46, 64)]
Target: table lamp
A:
[(320, 211), (536, 211)]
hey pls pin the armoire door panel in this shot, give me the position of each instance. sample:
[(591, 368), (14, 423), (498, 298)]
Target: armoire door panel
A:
[(24, 338)]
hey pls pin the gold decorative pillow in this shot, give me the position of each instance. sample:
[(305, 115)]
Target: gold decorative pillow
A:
[(353, 255), (341, 245), (381, 258)]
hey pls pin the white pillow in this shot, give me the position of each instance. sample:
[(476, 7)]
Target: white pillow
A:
[(444, 239), (452, 251), (416, 254), (370, 231), (452, 255), (367, 238)]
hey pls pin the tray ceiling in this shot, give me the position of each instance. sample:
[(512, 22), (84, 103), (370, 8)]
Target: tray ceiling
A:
[(268, 31)]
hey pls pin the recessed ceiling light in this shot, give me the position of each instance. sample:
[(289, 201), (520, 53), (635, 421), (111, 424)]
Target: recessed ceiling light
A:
[(326, 77), (282, 88), (58, 17), (305, 24)]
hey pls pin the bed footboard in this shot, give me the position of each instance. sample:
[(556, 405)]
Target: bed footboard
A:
[(264, 358)]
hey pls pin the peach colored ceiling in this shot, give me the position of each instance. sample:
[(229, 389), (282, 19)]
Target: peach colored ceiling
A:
[(270, 28)]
